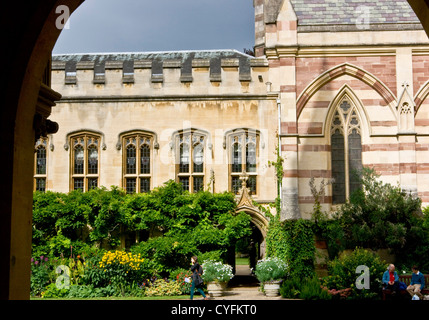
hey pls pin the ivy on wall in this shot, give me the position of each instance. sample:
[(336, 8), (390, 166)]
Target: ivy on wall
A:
[(290, 240)]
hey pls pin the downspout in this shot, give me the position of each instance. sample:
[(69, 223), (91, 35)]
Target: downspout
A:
[(279, 143)]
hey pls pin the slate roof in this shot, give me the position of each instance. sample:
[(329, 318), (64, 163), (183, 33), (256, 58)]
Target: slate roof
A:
[(387, 14), (156, 59), (183, 55)]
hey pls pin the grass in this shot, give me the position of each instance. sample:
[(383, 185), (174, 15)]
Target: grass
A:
[(182, 297), (242, 261)]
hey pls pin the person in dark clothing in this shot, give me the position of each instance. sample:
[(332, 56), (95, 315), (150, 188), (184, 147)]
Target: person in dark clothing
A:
[(196, 276)]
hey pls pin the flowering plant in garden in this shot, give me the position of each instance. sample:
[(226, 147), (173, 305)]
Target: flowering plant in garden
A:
[(122, 267), (185, 287), (162, 287), (271, 269), (40, 274), (121, 258), (216, 271)]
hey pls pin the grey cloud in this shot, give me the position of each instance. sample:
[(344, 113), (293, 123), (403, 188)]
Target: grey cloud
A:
[(158, 25)]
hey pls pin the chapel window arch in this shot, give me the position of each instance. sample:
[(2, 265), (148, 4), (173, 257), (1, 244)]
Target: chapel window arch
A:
[(346, 150)]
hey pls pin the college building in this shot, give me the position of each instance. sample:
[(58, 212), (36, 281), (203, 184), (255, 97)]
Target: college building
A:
[(336, 84)]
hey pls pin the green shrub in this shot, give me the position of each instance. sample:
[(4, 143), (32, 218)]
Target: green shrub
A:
[(85, 292), (51, 291), (380, 215), (311, 289), (307, 289), (290, 288), (342, 272), (94, 274), (179, 225)]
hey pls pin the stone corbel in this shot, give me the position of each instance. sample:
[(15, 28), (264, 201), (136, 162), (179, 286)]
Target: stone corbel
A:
[(46, 100)]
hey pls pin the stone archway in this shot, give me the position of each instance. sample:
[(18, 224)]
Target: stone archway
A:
[(30, 33), (258, 219), (255, 249)]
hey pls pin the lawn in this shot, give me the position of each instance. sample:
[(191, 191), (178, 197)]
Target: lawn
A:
[(182, 297), (242, 261)]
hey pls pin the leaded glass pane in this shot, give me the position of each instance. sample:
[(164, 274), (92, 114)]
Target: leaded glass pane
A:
[(79, 158), (145, 159), (130, 185), (41, 184), (251, 184), (92, 160), (184, 158), (41, 161), (131, 160), (355, 160), (198, 184), (235, 184), (198, 158), (338, 168), (78, 184), (251, 157), (184, 181), (92, 183), (236, 158), (144, 185)]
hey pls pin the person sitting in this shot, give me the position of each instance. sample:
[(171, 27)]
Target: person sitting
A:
[(390, 279), (417, 283)]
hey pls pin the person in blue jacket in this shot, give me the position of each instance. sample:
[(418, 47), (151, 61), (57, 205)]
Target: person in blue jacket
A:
[(417, 283), (390, 279)]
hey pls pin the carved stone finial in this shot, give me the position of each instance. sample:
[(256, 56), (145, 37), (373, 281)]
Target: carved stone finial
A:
[(244, 177)]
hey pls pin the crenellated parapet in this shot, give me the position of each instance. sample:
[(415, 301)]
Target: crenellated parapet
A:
[(171, 72)]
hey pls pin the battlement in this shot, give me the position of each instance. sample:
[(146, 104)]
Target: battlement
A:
[(164, 68)]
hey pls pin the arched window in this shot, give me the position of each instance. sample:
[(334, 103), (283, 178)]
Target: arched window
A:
[(190, 162), (243, 159), (85, 161), (346, 151), (40, 165), (137, 162)]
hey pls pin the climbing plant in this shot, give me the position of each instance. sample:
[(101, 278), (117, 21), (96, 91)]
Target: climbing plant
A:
[(290, 240), (179, 224)]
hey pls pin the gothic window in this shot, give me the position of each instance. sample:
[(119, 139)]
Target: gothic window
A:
[(137, 170), (346, 152), (190, 160), (40, 165), (243, 156), (85, 155)]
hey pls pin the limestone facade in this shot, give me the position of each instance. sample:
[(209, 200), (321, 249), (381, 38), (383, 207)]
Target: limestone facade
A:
[(343, 87)]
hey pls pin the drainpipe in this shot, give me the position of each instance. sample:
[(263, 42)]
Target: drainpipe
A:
[(279, 141)]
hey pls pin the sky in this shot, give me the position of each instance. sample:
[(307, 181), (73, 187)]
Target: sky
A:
[(158, 25)]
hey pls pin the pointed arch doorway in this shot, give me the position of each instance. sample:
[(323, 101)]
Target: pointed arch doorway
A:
[(253, 246)]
